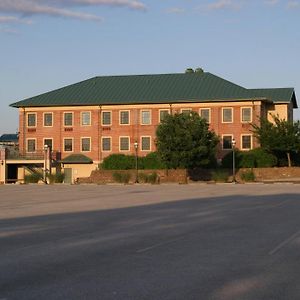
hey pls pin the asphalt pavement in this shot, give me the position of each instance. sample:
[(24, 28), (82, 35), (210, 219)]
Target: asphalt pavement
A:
[(168, 242)]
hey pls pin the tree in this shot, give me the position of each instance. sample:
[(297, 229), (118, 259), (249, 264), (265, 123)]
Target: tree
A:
[(185, 141), (278, 136)]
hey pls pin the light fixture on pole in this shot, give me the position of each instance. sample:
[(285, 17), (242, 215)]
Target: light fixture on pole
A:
[(136, 145), (45, 162), (233, 143)]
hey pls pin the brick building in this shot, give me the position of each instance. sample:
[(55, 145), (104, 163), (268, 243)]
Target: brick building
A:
[(104, 115)]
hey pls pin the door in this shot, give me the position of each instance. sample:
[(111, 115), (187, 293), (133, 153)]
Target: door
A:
[(68, 175)]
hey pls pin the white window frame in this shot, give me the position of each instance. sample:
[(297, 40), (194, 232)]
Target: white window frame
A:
[(47, 113), (141, 143), (128, 137), (146, 110), (206, 108), (106, 111), (68, 112), (81, 118), (90, 139), (27, 118), (48, 138), (251, 141), (232, 118), (68, 138), (35, 141), (110, 142), (163, 109), (187, 109), (223, 135), (246, 107), (124, 110)]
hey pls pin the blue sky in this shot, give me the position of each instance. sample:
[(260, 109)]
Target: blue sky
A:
[(47, 44)]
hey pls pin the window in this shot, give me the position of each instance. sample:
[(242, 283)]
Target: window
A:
[(163, 113), (68, 119), (86, 118), (246, 142), (227, 142), (124, 143), (31, 120), (246, 114), (106, 143), (106, 118), (49, 143), (68, 145), (124, 117), (227, 115), (186, 111), (146, 117), (86, 144), (146, 143), (31, 145), (48, 119), (205, 114)]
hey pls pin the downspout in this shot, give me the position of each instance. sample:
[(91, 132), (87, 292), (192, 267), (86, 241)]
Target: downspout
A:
[(99, 138), (24, 128)]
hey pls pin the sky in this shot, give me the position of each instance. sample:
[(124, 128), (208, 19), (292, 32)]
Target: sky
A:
[(47, 44)]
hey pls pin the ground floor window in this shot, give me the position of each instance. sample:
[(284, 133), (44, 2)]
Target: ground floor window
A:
[(146, 143), (49, 143), (246, 142), (31, 145), (86, 144), (124, 143), (68, 145), (106, 144), (227, 142)]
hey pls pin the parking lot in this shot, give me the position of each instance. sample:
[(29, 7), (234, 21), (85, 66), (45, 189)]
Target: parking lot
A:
[(197, 241)]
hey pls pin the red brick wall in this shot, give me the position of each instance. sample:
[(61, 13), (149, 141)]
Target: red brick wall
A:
[(135, 130)]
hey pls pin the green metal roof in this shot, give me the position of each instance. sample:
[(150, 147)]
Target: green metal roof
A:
[(76, 159), (147, 89)]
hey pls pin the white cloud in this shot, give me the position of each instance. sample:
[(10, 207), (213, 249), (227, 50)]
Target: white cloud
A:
[(62, 8), (221, 4), (293, 4), (175, 10), (13, 19)]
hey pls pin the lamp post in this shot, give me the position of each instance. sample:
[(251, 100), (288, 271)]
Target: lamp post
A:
[(136, 145), (233, 143), (45, 162)]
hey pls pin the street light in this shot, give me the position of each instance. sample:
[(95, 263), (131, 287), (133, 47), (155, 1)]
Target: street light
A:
[(45, 162), (136, 145), (233, 143)]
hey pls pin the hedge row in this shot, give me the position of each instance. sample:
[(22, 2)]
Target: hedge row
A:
[(127, 162)]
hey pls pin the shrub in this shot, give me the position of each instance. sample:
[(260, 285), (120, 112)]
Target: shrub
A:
[(151, 161), (122, 177), (33, 178), (143, 177), (118, 162), (248, 176), (59, 177), (220, 175), (148, 178)]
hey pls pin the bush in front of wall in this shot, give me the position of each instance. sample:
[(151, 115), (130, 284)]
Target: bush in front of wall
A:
[(56, 178), (151, 161), (118, 162), (33, 178), (220, 175), (148, 178), (121, 177), (248, 176)]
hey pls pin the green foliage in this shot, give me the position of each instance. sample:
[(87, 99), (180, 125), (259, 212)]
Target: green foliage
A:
[(56, 178), (220, 175), (256, 158), (185, 141), (33, 178), (148, 178), (151, 161), (248, 176), (122, 177), (118, 162), (279, 136)]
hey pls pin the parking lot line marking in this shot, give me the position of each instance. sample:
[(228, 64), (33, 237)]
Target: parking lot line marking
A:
[(285, 242), (159, 244)]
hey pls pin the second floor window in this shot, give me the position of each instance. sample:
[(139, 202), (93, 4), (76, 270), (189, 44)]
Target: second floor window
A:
[(163, 113), (205, 114), (68, 119), (86, 118), (124, 117), (246, 114), (106, 118), (48, 119), (31, 120), (227, 115), (146, 117)]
